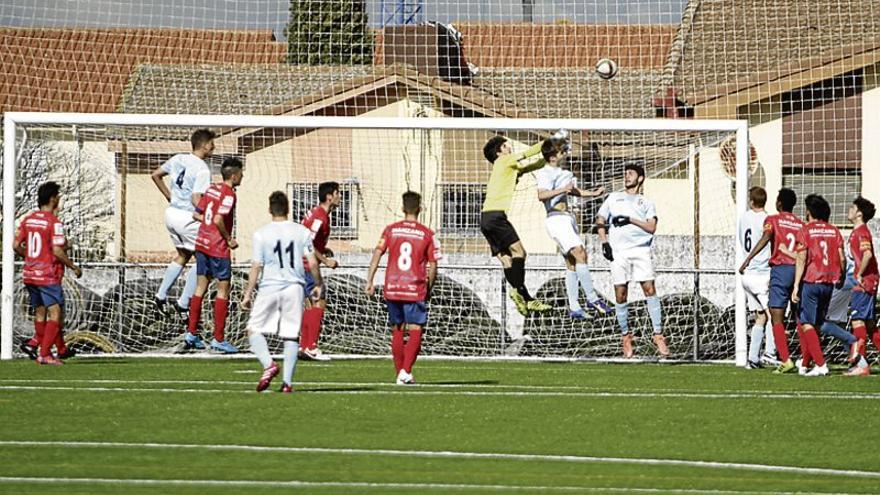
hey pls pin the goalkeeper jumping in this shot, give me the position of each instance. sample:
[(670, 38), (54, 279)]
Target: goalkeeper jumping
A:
[(507, 167)]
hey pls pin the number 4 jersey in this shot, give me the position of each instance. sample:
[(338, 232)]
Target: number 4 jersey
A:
[(410, 246), (785, 227), (751, 226), (41, 231)]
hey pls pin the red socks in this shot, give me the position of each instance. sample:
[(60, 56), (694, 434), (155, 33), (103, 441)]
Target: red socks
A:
[(397, 348), (221, 309), (59, 342), (806, 350), (39, 328), (49, 333), (311, 327), (875, 337), (195, 314), (781, 341), (411, 351), (860, 332), (814, 346)]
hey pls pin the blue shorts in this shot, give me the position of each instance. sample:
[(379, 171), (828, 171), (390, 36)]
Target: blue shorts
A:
[(411, 313), (861, 306), (814, 303), (310, 286), (211, 267), (781, 285), (45, 295)]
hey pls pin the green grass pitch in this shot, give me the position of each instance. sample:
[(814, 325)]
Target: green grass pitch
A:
[(150, 425)]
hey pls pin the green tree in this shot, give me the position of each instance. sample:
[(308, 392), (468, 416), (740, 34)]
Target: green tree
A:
[(329, 32)]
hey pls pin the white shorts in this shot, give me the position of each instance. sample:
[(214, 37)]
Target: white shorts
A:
[(757, 288), (278, 313), (634, 264), (182, 228), (563, 230)]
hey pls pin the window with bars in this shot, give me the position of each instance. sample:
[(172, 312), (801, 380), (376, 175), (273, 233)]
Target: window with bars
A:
[(460, 208), (343, 220)]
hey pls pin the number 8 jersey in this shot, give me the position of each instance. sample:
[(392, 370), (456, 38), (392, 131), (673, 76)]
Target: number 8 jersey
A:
[(785, 227), (410, 247)]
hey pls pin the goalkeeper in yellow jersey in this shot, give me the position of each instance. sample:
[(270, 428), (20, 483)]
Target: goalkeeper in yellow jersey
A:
[(507, 167)]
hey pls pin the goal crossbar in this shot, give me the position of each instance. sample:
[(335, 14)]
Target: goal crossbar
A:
[(13, 120)]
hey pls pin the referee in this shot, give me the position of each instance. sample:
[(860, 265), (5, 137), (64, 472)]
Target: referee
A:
[(507, 167)]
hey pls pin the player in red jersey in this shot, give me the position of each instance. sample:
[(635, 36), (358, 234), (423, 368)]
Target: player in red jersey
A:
[(864, 293), (781, 229), (214, 243), (318, 222), (821, 265), (412, 267), (40, 241)]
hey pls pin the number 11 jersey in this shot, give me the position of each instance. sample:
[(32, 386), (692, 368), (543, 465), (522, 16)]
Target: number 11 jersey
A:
[(279, 247), (410, 247)]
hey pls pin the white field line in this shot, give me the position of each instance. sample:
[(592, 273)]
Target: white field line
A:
[(456, 455), (419, 390), (368, 485), (560, 388)]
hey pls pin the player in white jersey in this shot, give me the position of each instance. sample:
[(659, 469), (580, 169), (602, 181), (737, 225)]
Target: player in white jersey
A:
[(555, 185), (756, 279), (190, 178), (277, 263), (626, 223)]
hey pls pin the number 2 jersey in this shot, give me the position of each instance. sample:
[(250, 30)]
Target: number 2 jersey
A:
[(751, 225), (822, 242), (785, 227), (410, 246), (41, 231), (219, 199)]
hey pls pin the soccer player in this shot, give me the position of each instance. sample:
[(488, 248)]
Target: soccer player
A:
[(756, 279), (190, 178), (40, 241), (555, 185), (632, 219), (318, 222), (507, 167), (837, 318), (821, 264), (216, 212), (781, 229), (864, 293), (277, 263), (412, 267)]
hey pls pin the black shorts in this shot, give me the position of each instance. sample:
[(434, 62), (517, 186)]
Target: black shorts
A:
[(498, 231)]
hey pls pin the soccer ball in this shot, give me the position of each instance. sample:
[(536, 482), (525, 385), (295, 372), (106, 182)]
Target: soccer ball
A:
[(606, 68)]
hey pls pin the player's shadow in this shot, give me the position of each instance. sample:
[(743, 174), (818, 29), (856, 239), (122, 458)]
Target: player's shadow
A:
[(336, 389), (461, 382)]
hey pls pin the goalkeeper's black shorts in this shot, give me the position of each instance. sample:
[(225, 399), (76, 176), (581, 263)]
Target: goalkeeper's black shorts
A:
[(498, 231)]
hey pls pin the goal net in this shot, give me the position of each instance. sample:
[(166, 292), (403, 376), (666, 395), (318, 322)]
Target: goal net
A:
[(114, 223)]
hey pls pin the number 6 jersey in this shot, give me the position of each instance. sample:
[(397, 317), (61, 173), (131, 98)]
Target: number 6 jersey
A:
[(410, 247), (751, 227)]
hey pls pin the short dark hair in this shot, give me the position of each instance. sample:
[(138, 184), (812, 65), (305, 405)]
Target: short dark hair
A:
[(786, 199), (326, 188), (493, 147), (46, 192), (201, 137), (865, 207), (230, 166), (635, 166), (818, 207), (279, 205), (758, 196), (550, 147), (412, 201)]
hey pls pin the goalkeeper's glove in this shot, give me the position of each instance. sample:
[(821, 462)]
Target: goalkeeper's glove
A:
[(561, 135), (606, 251), (620, 221)]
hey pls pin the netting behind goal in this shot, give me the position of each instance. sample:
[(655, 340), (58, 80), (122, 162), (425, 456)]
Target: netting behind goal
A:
[(114, 217)]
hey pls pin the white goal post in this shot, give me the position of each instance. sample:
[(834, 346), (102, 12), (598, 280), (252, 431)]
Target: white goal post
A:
[(13, 122)]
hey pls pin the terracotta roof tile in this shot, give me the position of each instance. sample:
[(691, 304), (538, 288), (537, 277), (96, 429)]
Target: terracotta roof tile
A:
[(86, 69)]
